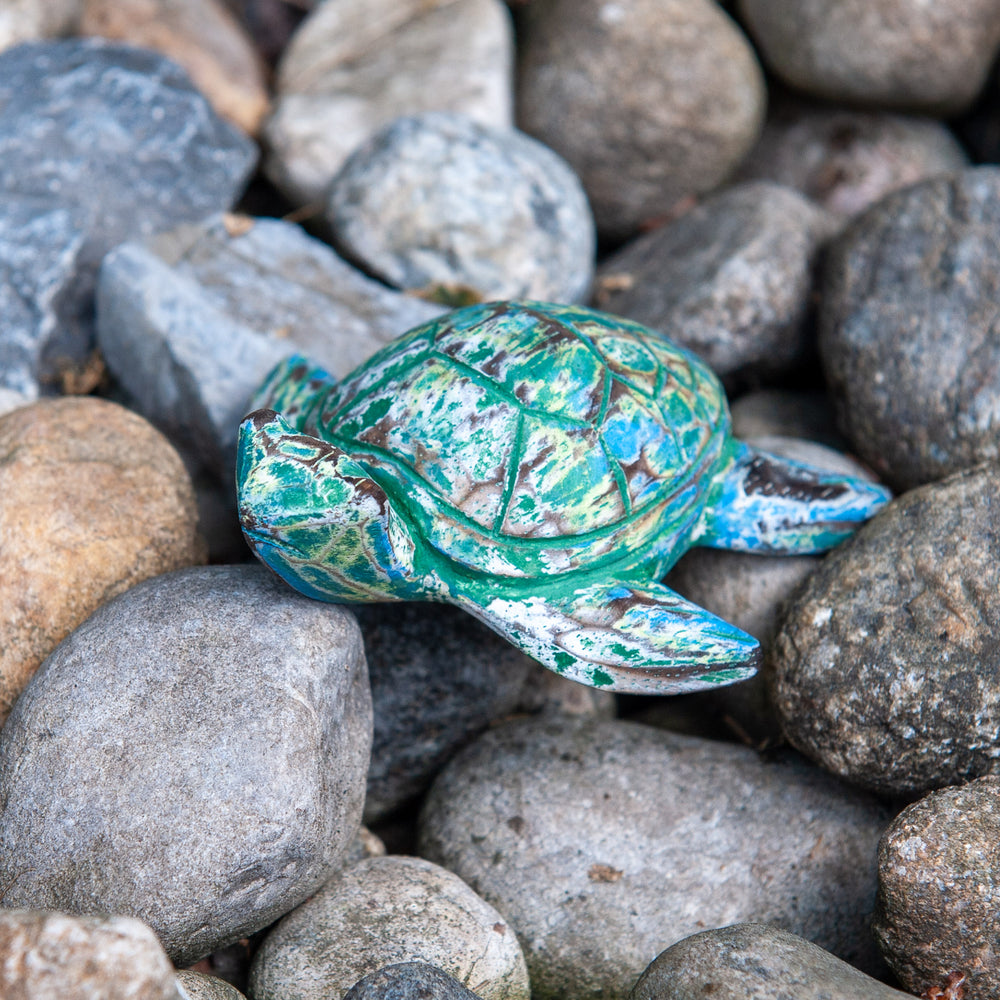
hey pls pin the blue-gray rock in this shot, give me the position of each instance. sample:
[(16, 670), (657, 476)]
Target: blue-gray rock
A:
[(409, 981), (99, 143), (194, 754), (439, 200)]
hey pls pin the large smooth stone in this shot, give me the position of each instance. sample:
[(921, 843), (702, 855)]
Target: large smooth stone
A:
[(194, 754), (409, 981), (603, 842)]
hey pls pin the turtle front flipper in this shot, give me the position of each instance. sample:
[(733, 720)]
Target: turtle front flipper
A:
[(764, 503), (627, 637)]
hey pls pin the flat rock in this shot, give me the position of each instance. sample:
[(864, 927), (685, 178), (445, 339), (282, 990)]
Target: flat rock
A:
[(409, 981), (886, 669), (603, 842), (440, 200), (938, 913), (753, 961), (643, 114), (731, 280), (92, 501), (198, 986), (194, 754), (355, 65), (384, 911), (99, 143)]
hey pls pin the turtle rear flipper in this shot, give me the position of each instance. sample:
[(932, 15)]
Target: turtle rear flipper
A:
[(764, 503), (627, 637)]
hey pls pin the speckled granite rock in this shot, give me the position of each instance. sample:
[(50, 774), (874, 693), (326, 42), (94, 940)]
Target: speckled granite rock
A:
[(409, 981), (754, 961), (649, 101), (382, 911), (194, 754), (197, 986), (603, 842), (886, 669), (939, 889)]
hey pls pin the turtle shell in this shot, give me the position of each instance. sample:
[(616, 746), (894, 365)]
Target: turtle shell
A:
[(513, 422)]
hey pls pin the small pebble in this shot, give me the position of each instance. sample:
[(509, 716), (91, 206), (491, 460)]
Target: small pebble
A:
[(384, 911), (938, 915), (409, 981), (198, 986), (438, 200)]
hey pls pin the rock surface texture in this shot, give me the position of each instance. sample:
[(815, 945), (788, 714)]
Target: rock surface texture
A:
[(409, 981)]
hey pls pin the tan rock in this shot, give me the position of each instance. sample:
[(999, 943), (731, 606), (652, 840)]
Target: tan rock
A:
[(32, 20), (93, 499), (203, 37)]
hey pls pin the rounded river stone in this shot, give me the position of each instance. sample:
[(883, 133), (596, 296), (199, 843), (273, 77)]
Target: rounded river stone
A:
[(604, 842), (409, 981), (887, 667), (194, 754), (908, 328), (938, 911), (201, 987)]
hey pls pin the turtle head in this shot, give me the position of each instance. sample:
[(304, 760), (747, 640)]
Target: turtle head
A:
[(316, 516)]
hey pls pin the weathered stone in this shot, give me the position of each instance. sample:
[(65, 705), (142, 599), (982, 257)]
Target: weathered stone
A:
[(354, 66), (789, 413), (380, 912), (886, 668), (194, 754), (32, 20), (92, 500), (649, 101), (198, 986), (603, 842), (409, 981), (439, 199), (938, 912)]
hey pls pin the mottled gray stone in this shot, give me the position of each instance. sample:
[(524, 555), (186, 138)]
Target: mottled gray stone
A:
[(99, 143), (191, 322), (409, 981), (645, 115), (355, 65), (789, 413), (754, 961), (938, 910), (194, 755), (731, 279), (603, 842), (197, 986), (886, 669), (930, 57), (908, 328), (440, 200), (383, 911), (54, 956)]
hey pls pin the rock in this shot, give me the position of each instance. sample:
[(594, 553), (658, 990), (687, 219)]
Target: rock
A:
[(439, 200), (198, 986), (11, 400), (191, 322), (937, 918), (907, 329), (788, 413), (194, 754), (903, 54), (99, 143), (200, 35), (54, 956), (649, 101), (32, 20), (603, 842), (847, 160), (92, 500), (886, 668), (409, 981), (355, 66), (383, 911), (754, 961), (731, 279)]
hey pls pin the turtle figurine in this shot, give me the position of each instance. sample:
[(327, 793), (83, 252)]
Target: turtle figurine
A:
[(541, 466)]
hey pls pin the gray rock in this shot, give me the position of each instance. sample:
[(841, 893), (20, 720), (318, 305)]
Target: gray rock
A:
[(55, 956), (886, 668), (440, 200), (938, 913), (380, 912), (789, 413), (731, 279), (908, 333), (99, 143), (754, 961), (409, 981), (603, 842), (193, 754), (649, 101), (355, 65), (201, 987), (193, 321), (930, 57)]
